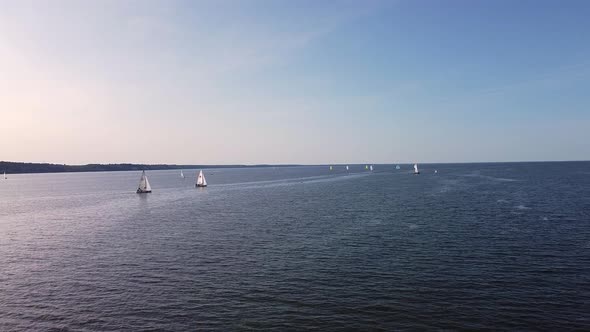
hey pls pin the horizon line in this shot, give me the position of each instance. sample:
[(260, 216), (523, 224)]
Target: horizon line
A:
[(295, 164)]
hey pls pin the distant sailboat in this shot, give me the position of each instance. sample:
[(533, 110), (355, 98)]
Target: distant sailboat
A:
[(416, 171), (201, 182), (435, 171), (371, 168), (181, 174), (144, 185), (5, 176), (397, 167), (330, 167), (347, 167), (366, 166)]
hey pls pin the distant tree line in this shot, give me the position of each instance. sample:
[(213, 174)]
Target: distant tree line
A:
[(17, 167)]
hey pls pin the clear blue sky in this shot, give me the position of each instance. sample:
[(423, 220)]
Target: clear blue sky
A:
[(294, 81)]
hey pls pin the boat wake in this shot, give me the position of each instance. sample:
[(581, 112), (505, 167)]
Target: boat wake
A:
[(291, 182), (491, 178), (449, 185)]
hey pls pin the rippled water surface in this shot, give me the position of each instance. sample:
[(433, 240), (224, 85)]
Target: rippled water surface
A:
[(478, 246)]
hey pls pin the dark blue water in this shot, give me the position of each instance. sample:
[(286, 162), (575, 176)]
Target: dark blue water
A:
[(478, 246)]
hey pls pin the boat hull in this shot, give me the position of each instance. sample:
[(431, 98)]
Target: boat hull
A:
[(416, 173), (139, 191), (200, 185)]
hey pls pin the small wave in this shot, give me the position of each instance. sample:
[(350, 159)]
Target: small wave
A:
[(502, 201), (522, 207)]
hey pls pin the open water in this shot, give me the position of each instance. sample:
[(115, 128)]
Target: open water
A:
[(476, 246)]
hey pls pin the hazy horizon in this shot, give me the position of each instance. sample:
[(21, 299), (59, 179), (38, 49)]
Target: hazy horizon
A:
[(318, 164), (305, 82)]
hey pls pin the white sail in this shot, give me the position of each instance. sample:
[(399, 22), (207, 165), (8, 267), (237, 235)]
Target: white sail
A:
[(181, 174), (371, 167), (397, 167), (144, 184), (416, 168), (201, 181), (347, 167), (147, 185)]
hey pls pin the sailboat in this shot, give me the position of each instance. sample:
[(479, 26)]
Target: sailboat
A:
[(5, 176), (366, 166), (435, 171), (397, 167), (371, 168), (330, 167), (416, 171), (144, 185), (181, 174), (347, 167), (201, 182)]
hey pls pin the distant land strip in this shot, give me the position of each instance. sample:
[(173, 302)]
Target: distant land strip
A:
[(19, 167)]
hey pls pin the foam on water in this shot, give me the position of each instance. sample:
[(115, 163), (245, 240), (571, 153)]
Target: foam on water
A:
[(522, 207)]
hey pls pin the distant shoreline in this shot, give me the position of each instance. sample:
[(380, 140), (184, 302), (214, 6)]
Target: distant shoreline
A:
[(26, 168)]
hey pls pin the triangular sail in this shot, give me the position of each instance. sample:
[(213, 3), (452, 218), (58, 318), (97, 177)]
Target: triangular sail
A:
[(142, 181), (371, 167), (347, 167), (144, 184), (201, 181), (181, 174), (416, 168)]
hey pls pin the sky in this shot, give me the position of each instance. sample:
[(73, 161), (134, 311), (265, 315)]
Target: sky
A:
[(305, 82)]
